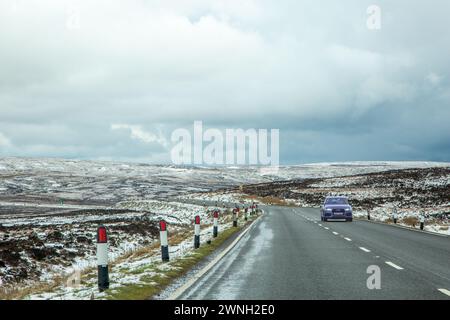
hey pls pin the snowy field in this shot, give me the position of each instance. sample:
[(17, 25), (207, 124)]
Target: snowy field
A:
[(410, 191), (50, 208), (103, 183)]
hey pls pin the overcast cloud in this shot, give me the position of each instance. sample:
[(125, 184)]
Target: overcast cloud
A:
[(112, 79)]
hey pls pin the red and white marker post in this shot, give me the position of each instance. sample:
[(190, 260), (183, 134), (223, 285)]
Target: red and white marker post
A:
[(197, 232), (102, 259), (164, 240), (215, 223)]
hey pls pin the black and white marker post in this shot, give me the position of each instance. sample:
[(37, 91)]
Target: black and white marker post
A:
[(246, 214), (215, 223), (395, 216), (422, 221), (164, 240), (234, 217), (368, 215), (102, 259), (197, 232)]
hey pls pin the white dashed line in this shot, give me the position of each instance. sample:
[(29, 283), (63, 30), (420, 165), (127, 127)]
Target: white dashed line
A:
[(320, 225), (348, 239), (335, 233), (364, 249), (315, 221), (394, 265), (445, 291), (326, 228)]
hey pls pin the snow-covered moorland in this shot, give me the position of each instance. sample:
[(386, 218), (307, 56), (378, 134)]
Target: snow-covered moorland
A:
[(50, 208), (411, 192)]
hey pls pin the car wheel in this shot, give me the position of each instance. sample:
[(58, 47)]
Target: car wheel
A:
[(350, 220), (325, 219)]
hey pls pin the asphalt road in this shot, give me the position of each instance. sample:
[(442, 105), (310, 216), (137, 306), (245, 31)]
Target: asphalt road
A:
[(290, 254)]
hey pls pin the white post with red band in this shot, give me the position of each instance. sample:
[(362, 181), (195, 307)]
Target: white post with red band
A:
[(102, 259), (215, 223), (164, 240), (197, 232)]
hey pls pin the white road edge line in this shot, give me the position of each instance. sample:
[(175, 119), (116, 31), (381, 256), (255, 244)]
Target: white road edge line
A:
[(335, 233), (348, 239), (178, 292), (406, 228), (364, 249), (394, 265), (445, 291)]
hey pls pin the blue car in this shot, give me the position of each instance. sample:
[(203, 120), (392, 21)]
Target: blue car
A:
[(336, 208)]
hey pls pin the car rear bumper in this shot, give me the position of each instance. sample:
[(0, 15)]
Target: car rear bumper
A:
[(337, 216), (339, 219)]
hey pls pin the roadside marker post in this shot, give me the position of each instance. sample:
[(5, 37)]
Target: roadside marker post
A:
[(102, 259), (164, 240), (368, 215), (395, 216), (197, 232), (235, 218), (216, 224), (422, 221)]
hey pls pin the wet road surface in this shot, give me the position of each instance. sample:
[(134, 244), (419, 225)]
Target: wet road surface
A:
[(290, 254)]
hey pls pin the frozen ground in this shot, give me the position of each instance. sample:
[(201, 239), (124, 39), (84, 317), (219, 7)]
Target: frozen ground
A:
[(102, 183), (50, 208), (411, 192), (138, 268)]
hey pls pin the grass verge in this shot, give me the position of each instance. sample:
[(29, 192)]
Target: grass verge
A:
[(269, 200), (150, 286)]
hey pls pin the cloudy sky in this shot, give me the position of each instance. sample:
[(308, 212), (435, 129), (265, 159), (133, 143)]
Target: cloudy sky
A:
[(112, 79)]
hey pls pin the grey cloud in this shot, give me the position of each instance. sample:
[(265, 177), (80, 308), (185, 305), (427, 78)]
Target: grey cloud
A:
[(312, 70)]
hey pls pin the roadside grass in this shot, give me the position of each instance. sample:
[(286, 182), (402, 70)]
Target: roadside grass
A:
[(410, 221), (270, 200), (175, 237), (11, 293), (151, 285)]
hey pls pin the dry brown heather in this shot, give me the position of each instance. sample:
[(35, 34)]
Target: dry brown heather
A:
[(71, 240)]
